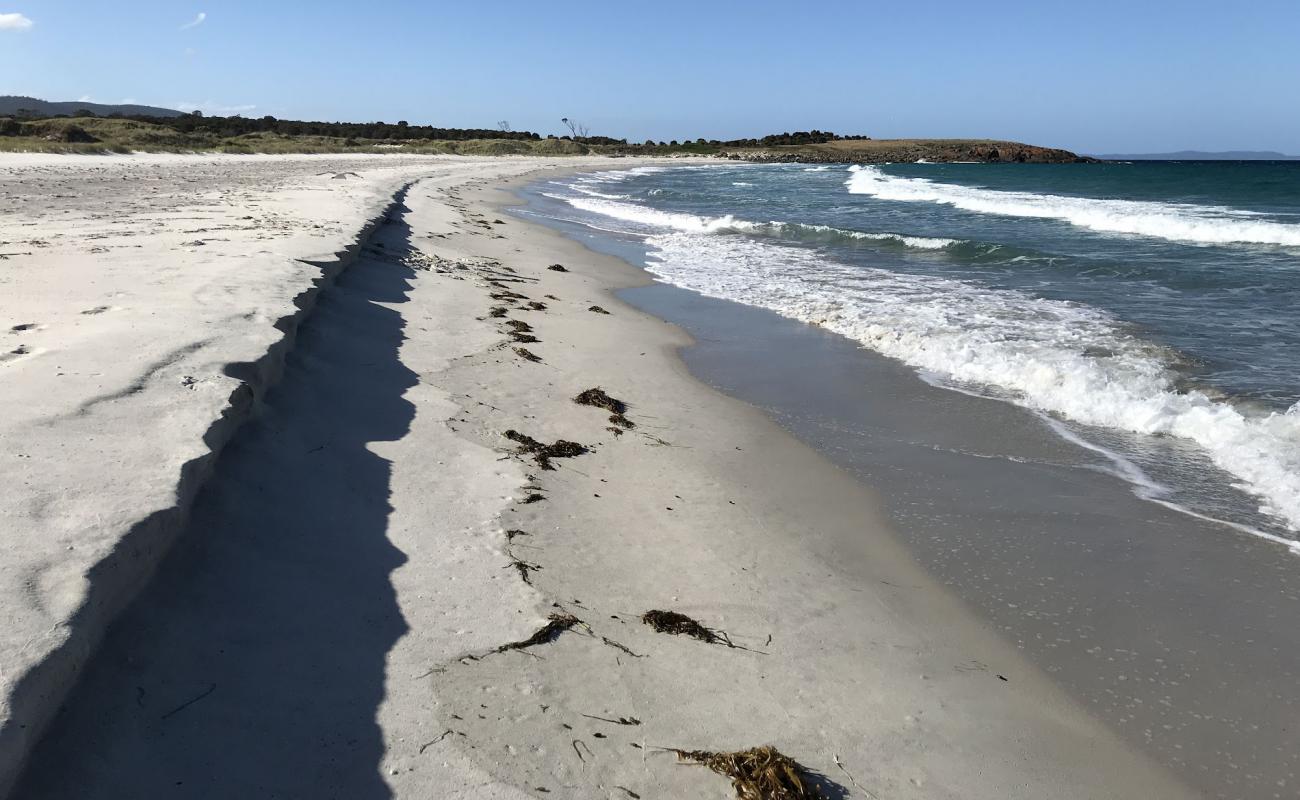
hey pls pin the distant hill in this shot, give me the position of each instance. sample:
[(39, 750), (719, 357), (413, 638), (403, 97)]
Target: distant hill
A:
[(1202, 155), (881, 151), (10, 105)]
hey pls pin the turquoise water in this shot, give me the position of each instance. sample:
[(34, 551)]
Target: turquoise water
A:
[(1147, 310)]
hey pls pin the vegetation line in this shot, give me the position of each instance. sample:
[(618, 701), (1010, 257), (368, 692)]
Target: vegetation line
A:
[(84, 132)]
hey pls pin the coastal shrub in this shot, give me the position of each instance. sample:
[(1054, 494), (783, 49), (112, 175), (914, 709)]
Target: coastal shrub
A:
[(71, 133), (558, 147)]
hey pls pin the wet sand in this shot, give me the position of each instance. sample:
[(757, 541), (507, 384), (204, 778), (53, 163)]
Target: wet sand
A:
[(1177, 632)]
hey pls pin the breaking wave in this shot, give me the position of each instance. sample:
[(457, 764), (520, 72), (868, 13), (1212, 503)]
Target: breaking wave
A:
[(1171, 221)]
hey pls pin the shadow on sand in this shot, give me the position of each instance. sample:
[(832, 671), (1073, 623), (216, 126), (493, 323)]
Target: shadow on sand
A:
[(254, 663)]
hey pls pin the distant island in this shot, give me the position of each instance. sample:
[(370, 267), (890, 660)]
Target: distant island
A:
[(1202, 155), (27, 123)]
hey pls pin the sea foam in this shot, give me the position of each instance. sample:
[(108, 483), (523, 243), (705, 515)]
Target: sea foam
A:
[(1053, 356), (1059, 357)]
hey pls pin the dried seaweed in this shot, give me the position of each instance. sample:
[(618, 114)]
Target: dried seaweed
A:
[(543, 453), (524, 568), (536, 305), (559, 623), (557, 268), (597, 397), (680, 624), (527, 354), (622, 647), (521, 331), (619, 721), (598, 310), (497, 312), (760, 773)]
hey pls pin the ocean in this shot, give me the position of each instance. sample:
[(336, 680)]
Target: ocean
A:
[(1147, 312)]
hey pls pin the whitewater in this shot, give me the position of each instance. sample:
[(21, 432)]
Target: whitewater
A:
[(1069, 359)]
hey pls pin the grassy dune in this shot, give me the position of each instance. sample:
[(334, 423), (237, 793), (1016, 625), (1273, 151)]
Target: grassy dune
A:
[(99, 135)]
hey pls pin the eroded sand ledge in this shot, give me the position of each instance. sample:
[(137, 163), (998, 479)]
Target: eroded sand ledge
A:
[(328, 624)]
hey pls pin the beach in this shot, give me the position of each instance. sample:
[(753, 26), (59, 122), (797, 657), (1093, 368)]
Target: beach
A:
[(287, 517)]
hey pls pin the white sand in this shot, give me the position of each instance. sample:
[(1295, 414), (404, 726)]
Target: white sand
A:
[(309, 639), (128, 284)]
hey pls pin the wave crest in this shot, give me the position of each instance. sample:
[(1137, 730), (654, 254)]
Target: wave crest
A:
[(1170, 221), (653, 220)]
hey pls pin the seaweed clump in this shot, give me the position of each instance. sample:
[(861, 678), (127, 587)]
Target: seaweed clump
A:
[(598, 310), (543, 453), (527, 355), (521, 331), (682, 625), (597, 397), (760, 773), (557, 268), (558, 623)]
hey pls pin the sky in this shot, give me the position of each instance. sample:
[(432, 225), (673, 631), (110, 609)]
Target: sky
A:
[(1097, 77)]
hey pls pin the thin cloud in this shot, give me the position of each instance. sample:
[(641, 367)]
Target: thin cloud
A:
[(15, 22), (196, 22)]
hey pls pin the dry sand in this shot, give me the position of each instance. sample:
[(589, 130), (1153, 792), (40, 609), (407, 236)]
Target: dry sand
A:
[(327, 625)]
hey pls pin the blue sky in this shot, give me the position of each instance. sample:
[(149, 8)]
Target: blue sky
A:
[(1094, 77)]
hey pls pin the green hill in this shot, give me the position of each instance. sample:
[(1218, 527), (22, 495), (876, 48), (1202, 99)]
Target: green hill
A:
[(17, 105)]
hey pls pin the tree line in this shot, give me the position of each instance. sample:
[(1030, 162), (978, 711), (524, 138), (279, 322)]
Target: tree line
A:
[(236, 125), (239, 126)]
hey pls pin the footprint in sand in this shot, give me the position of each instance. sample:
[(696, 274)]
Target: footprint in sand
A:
[(17, 353)]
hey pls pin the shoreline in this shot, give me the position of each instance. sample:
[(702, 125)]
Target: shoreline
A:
[(1036, 534), (706, 507)]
